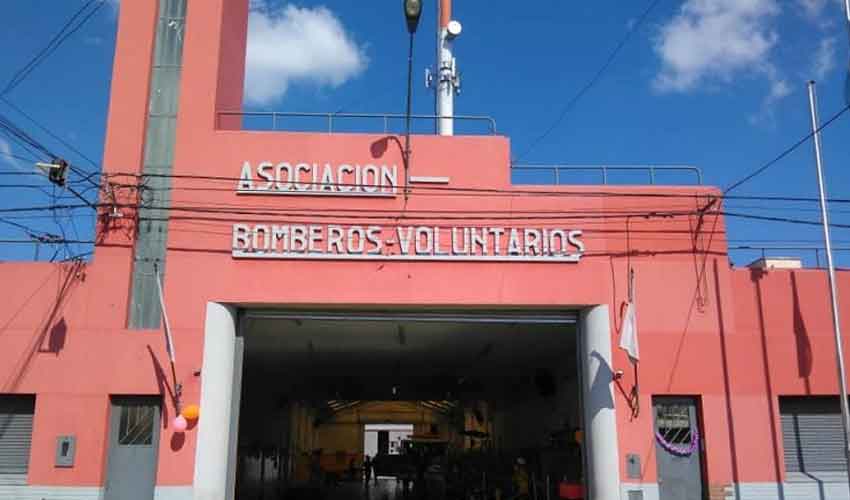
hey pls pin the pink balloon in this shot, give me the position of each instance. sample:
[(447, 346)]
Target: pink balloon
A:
[(180, 424)]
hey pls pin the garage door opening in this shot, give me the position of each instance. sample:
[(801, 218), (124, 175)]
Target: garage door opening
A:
[(443, 406)]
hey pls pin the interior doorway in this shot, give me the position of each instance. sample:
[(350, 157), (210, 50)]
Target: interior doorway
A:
[(460, 398), (384, 439)]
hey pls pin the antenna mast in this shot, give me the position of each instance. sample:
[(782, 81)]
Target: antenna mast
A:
[(448, 78)]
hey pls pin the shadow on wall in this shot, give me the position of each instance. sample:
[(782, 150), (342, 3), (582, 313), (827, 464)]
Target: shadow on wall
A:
[(56, 338), (805, 357), (600, 388), (727, 387), (55, 332), (778, 460), (165, 389)]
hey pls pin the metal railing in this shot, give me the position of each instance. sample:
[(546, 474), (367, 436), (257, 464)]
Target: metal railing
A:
[(605, 170), (383, 121), (816, 251)]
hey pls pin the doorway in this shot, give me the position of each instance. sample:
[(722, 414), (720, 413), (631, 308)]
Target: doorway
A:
[(678, 447), (474, 393), (384, 439), (134, 424)]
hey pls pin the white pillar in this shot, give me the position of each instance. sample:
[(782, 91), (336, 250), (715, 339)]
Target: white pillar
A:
[(211, 454), (600, 420), (235, 404)]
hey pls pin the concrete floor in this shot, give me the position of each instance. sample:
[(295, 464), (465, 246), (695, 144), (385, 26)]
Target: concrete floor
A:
[(385, 489)]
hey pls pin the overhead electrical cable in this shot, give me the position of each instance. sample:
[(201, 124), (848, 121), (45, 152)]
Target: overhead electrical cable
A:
[(471, 191), (80, 17), (593, 81), (786, 152), (28, 230), (56, 137)]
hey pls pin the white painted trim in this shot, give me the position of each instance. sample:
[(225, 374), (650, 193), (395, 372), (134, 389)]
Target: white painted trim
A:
[(51, 492), (260, 255), (173, 493), (84, 492), (429, 179), (814, 490), (211, 455), (600, 419)]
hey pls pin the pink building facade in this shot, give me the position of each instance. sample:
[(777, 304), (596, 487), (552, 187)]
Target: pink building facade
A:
[(744, 345)]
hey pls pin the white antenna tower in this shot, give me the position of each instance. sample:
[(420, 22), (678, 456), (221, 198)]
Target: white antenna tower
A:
[(447, 75)]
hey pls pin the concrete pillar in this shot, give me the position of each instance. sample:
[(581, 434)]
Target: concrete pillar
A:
[(235, 405), (600, 420), (211, 455)]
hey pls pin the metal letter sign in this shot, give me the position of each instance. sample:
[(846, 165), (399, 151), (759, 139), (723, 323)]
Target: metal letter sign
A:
[(377, 242)]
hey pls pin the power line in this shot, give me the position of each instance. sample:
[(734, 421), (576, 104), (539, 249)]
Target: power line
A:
[(57, 241), (20, 158), (593, 81), (58, 39), (785, 153), (20, 136), (471, 191), (54, 136), (784, 219), (28, 230)]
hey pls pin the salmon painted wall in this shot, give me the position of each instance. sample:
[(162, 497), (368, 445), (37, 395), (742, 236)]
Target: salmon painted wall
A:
[(63, 329)]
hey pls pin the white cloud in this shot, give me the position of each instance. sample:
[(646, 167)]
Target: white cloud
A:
[(812, 8), (7, 159), (297, 45), (824, 60), (779, 89), (715, 40)]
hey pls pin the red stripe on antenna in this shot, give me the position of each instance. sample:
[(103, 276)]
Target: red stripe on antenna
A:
[(445, 12)]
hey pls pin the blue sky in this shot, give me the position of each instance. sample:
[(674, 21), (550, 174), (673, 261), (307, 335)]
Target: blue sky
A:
[(719, 84)]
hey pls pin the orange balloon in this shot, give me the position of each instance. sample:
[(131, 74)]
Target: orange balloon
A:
[(191, 412)]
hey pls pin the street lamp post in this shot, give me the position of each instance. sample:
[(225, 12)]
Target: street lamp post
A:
[(833, 294), (412, 12)]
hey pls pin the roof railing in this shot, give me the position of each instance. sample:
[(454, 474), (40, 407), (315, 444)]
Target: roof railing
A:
[(558, 171), (804, 252), (332, 122)]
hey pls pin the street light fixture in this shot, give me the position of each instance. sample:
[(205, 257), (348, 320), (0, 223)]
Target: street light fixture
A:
[(412, 12)]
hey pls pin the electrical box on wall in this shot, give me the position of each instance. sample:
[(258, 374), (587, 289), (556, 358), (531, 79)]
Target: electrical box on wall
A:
[(66, 446)]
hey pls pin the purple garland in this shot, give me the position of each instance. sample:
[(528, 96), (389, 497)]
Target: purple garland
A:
[(677, 450)]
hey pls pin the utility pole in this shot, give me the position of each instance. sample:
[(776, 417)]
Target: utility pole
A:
[(833, 293)]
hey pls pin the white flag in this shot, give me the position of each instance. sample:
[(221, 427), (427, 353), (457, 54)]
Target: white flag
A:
[(169, 345), (629, 333)]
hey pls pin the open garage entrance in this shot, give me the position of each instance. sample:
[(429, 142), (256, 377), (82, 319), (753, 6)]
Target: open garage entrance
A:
[(433, 405)]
